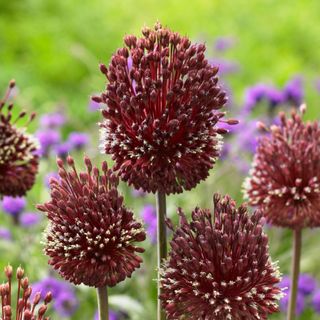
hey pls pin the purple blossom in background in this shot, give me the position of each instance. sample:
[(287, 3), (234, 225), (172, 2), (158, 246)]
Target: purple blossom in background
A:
[(254, 95), (316, 301), (317, 84), (300, 303), (112, 316), (224, 43), (226, 149), (293, 91), (78, 140), (5, 234), (62, 150), (225, 66), (52, 120), (93, 105), (138, 193), (274, 97), (246, 136), (66, 303), (29, 219), (149, 215), (306, 284), (49, 176), (13, 206), (47, 138)]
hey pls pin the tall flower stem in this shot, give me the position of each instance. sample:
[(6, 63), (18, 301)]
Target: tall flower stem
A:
[(102, 295), (162, 243), (297, 235)]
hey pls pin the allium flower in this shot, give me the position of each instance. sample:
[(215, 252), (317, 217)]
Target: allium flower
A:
[(48, 177), (18, 159), (161, 113), (29, 219), (52, 120), (284, 179), (91, 235), (149, 215), (24, 307), (13, 206), (219, 266), (78, 140)]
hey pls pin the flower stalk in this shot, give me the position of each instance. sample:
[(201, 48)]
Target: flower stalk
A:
[(297, 237), (103, 307), (162, 244)]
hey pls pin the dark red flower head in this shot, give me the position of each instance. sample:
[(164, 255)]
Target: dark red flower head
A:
[(219, 266), (162, 109), (18, 159), (285, 177), (23, 307), (91, 235)]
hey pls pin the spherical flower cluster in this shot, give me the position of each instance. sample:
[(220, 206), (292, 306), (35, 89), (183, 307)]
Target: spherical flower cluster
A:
[(285, 177), (91, 236), (219, 266), (25, 307), (161, 112), (18, 159)]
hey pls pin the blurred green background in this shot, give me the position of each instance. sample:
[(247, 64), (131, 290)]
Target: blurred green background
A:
[(53, 50)]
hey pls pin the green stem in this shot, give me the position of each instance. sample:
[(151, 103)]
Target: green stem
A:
[(297, 235), (102, 295), (162, 244)]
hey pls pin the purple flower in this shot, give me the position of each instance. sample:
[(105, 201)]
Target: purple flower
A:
[(254, 95), (13, 206), (224, 43), (317, 84), (5, 234), (62, 150), (78, 139), (293, 91), (246, 136), (316, 301), (285, 283), (52, 120), (112, 316), (138, 193), (149, 215), (274, 97), (93, 105), (49, 176), (300, 303), (307, 284), (29, 219), (47, 139), (66, 303), (225, 66)]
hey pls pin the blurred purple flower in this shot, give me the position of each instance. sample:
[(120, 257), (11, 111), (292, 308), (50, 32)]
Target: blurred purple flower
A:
[(285, 283), (47, 138), (112, 316), (317, 84), (5, 234), (293, 91), (274, 97), (316, 301), (300, 303), (52, 120), (66, 303), (13, 206), (224, 43), (29, 219), (149, 215), (246, 136), (78, 140), (225, 66), (138, 193), (226, 148), (306, 284), (49, 176), (254, 95), (62, 150)]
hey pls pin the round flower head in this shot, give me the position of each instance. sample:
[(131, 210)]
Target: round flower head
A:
[(161, 113), (18, 159), (24, 306), (91, 235), (284, 179), (219, 266)]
